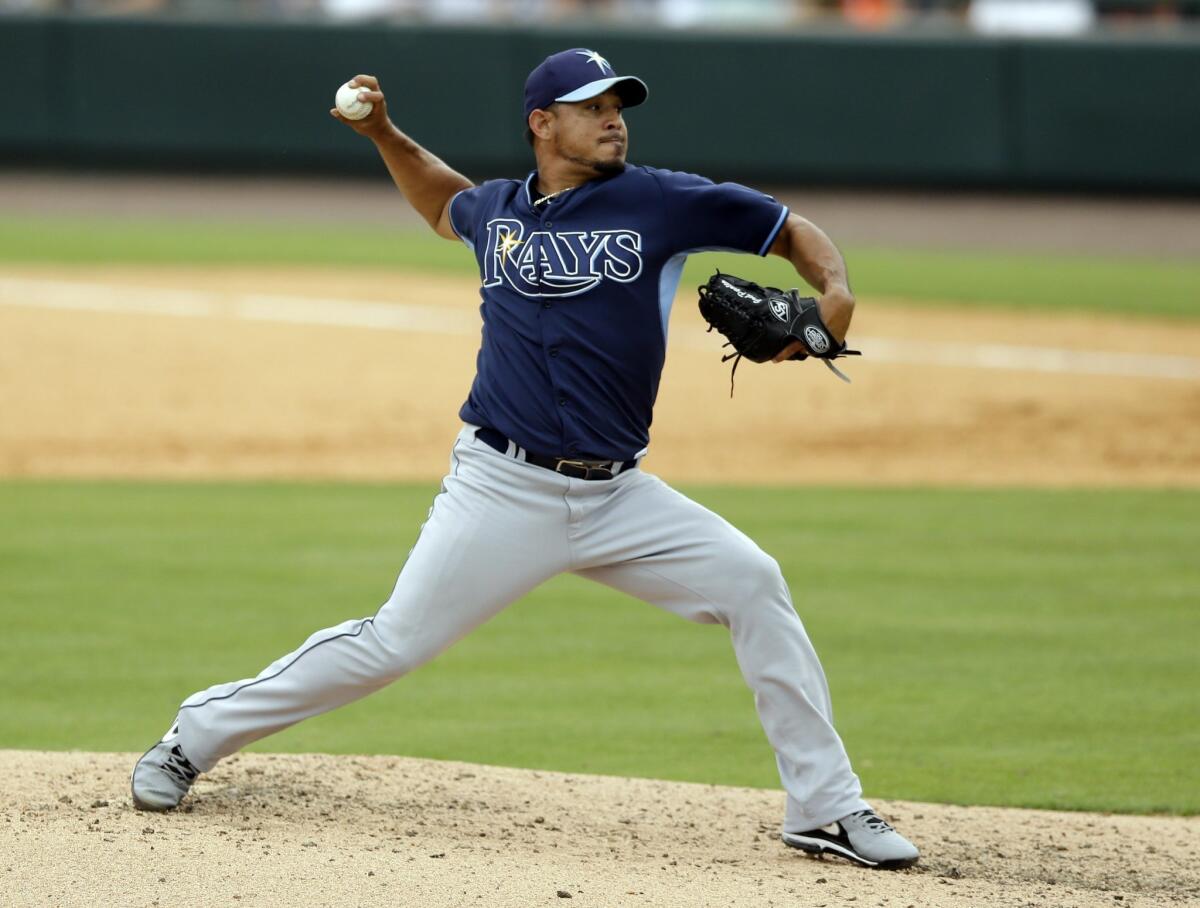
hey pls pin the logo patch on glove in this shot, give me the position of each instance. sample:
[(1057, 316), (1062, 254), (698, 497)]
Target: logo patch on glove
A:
[(816, 339), (779, 308)]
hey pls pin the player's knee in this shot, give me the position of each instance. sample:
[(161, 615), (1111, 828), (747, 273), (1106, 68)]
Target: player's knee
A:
[(760, 583), (402, 653), (764, 573), (399, 658)]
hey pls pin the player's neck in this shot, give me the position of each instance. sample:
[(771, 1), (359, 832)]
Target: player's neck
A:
[(550, 184), (556, 175)]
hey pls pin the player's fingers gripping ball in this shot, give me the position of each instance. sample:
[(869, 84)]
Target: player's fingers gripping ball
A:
[(759, 322), (348, 104)]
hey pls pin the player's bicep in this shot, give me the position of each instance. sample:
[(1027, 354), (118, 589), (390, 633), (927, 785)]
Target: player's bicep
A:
[(782, 245), (445, 224), (707, 215), (460, 215)]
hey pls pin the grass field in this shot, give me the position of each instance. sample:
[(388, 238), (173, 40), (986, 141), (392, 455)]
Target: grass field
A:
[(995, 647), (1101, 284)]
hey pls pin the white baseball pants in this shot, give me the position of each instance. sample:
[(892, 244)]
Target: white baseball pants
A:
[(499, 528)]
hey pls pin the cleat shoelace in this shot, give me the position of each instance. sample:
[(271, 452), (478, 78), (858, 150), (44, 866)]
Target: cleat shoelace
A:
[(177, 764), (874, 822)]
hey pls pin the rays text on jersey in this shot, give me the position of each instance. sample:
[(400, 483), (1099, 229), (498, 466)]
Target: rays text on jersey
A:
[(544, 263)]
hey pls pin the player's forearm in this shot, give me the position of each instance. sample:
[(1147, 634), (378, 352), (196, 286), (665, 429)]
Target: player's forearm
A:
[(426, 181), (817, 260), (813, 255)]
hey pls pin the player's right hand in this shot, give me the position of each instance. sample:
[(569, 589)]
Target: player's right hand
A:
[(376, 122)]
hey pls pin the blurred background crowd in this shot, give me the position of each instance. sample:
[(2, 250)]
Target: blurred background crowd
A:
[(1026, 17)]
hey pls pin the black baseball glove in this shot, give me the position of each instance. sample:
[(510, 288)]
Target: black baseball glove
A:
[(759, 322)]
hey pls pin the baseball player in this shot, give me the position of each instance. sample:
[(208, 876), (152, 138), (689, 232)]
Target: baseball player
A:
[(579, 263)]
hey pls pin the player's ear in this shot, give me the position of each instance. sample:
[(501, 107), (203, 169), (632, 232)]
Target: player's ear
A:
[(540, 123)]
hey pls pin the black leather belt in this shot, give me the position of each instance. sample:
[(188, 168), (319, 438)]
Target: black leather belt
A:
[(576, 469)]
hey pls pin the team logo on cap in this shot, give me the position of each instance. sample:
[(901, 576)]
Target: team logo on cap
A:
[(593, 57)]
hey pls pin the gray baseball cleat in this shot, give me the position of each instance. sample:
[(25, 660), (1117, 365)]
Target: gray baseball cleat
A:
[(863, 837), (163, 775)]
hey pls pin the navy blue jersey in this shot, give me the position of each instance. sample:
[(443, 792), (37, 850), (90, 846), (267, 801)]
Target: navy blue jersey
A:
[(576, 294)]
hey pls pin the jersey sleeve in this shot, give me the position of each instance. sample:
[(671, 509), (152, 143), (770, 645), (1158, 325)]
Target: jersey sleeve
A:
[(464, 213), (702, 214)]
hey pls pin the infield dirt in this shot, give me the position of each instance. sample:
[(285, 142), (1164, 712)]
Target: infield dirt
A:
[(138, 394), (319, 830)]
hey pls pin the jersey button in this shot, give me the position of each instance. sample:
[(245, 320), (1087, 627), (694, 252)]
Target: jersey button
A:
[(554, 351), (545, 305), (562, 401), (549, 223)]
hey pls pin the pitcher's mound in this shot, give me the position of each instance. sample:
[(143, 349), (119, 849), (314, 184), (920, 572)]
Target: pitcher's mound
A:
[(347, 831)]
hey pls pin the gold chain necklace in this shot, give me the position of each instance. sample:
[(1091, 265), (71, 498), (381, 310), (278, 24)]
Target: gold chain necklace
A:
[(547, 198)]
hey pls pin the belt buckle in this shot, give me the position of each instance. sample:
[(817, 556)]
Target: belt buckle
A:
[(587, 467)]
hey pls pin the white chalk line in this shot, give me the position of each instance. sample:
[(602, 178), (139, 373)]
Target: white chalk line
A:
[(304, 310)]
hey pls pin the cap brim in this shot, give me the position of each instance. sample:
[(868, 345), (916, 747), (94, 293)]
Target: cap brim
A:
[(633, 90)]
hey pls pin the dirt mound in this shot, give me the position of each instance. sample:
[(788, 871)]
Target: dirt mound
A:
[(329, 830)]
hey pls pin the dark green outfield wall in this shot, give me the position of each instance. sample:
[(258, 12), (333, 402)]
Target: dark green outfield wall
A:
[(887, 109)]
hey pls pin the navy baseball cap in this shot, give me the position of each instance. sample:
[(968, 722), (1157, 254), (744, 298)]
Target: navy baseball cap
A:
[(576, 75)]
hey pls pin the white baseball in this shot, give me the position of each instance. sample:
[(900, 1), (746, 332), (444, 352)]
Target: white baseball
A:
[(348, 104)]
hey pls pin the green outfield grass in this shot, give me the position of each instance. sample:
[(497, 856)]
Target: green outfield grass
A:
[(1043, 282), (1032, 648)]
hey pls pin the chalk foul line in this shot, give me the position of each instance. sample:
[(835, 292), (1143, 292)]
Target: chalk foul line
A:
[(387, 316)]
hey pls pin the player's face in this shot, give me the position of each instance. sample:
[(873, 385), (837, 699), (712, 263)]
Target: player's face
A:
[(591, 133)]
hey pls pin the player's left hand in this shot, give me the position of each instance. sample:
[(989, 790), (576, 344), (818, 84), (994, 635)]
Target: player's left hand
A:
[(836, 306), (766, 324)]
